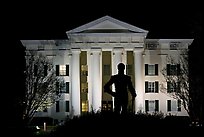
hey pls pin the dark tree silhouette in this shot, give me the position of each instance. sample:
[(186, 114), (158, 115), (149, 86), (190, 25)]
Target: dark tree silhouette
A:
[(195, 63), (178, 84)]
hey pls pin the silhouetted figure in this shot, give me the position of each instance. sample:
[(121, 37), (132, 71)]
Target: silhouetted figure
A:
[(122, 84)]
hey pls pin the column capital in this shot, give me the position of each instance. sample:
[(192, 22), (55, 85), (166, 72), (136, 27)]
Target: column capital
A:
[(117, 49), (75, 50), (138, 49), (96, 49)]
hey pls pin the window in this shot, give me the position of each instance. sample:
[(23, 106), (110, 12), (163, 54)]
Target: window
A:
[(84, 87), (129, 69), (84, 107), (37, 71), (107, 69), (62, 70), (151, 105), (67, 106), (173, 105), (107, 105), (174, 45), (173, 69), (151, 70), (57, 106), (173, 87), (62, 87), (152, 45), (84, 70), (151, 87), (41, 47)]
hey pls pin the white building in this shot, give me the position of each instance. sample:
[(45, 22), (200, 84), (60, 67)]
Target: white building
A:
[(89, 56)]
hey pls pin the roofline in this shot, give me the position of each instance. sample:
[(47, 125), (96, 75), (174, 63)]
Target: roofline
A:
[(94, 22)]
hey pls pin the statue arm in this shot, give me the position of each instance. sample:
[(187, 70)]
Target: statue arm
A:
[(131, 88), (107, 86)]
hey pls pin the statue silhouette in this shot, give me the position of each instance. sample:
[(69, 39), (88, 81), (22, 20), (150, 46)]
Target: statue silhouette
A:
[(122, 84)]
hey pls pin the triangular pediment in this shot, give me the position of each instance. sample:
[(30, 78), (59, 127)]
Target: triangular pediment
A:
[(107, 24)]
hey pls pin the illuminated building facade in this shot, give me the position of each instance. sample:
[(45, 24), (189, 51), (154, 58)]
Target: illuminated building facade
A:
[(89, 56)]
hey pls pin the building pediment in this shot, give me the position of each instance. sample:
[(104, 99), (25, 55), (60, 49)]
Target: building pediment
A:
[(107, 24)]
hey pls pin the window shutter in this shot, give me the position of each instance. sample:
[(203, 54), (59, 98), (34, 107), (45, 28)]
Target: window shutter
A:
[(45, 70), (168, 105), (168, 69), (67, 87), (146, 69), (57, 70), (178, 69), (35, 70), (35, 87), (146, 87), (57, 88), (57, 106), (146, 105), (156, 69), (178, 87), (168, 87), (156, 86), (67, 70), (67, 106), (179, 105), (156, 105)]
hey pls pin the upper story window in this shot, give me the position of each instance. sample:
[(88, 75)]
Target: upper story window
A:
[(151, 69), (129, 69), (84, 87), (107, 69), (62, 87), (151, 87), (41, 47), (62, 70), (84, 70), (174, 45), (40, 71), (173, 69), (152, 45), (173, 87)]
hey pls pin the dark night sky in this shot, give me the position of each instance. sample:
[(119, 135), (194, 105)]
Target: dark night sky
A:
[(51, 20)]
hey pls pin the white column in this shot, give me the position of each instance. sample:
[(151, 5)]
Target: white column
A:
[(139, 106), (89, 79), (116, 59), (75, 82), (96, 79), (124, 58)]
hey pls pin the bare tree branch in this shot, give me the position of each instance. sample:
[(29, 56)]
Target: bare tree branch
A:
[(40, 85)]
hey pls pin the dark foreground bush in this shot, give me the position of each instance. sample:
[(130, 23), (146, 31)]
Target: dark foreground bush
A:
[(107, 123)]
